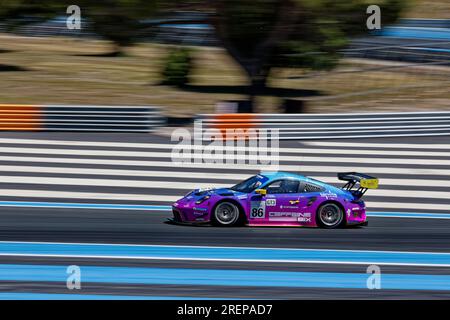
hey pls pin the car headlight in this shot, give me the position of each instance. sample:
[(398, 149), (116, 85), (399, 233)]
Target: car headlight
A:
[(202, 199)]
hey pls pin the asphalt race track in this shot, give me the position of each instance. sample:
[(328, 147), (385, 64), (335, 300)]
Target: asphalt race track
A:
[(51, 183)]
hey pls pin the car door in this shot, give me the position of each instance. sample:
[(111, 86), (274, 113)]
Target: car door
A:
[(283, 201)]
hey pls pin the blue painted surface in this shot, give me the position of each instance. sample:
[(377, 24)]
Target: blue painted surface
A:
[(430, 49), (414, 215), (64, 296), (223, 253), (216, 277), (197, 26), (415, 33), (68, 205)]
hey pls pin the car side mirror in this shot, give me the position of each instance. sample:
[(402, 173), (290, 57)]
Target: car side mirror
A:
[(261, 192)]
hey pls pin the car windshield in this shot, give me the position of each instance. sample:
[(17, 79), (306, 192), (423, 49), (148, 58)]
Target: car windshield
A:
[(250, 184)]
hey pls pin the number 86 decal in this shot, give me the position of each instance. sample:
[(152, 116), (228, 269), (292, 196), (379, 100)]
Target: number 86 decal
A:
[(258, 210)]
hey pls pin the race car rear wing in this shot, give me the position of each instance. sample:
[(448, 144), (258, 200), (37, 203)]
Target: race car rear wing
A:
[(365, 182)]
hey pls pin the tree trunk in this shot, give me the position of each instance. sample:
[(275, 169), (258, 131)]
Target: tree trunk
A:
[(258, 82), (117, 50), (256, 87)]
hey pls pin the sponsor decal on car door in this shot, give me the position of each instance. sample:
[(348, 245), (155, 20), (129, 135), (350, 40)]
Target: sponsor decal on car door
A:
[(287, 208)]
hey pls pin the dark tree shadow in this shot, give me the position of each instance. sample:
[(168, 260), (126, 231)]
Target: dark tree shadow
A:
[(268, 91), (112, 54), (6, 51), (11, 68)]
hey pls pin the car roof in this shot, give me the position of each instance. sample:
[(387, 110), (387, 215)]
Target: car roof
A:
[(286, 175), (283, 175)]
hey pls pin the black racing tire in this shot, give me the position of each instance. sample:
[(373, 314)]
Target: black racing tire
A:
[(226, 214), (330, 215)]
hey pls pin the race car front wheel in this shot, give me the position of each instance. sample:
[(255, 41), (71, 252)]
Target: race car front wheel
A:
[(330, 216), (226, 214)]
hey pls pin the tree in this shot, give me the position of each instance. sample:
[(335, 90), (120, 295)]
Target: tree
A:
[(177, 66), (119, 21), (20, 12), (16, 13), (264, 34)]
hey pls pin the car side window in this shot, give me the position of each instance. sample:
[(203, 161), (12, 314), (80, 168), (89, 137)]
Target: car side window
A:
[(283, 186), (309, 187)]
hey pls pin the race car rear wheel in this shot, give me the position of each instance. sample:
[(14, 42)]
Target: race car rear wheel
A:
[(226, 214), (330, 216)]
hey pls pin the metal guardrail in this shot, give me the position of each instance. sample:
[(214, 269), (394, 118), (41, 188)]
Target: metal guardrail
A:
[(425, 23), (80, 118), (334, 126)]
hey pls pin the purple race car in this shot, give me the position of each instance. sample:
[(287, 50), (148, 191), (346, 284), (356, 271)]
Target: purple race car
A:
[(278, 199)]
